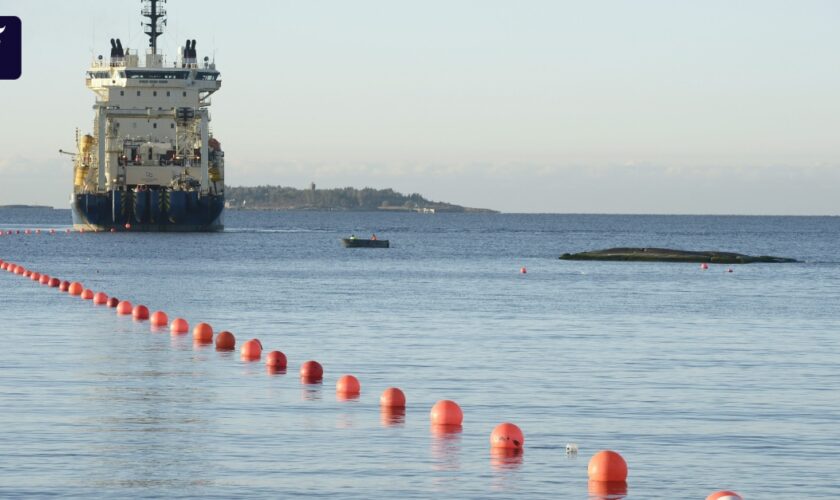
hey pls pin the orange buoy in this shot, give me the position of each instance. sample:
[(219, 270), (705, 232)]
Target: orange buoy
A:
[(179, 325), (276, 359), (522, 270), (446, 412), (507, 435), (35, 276), (44, 279), (124, 307), (113, 302), (128, 225), (113, 230), (311, 371), (76, 288), (159, 318), (203, 333), (87, 294), (27, 273), (27, 231), (100, 298), (607, 466), (54, 282), (140, 312), (392, 398), (20, 270), (704, 266), (251, 350), (64, 286), (724, 495), (348, 385), (225, 341)]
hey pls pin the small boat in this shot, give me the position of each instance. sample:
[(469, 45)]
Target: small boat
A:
[(363, 243)]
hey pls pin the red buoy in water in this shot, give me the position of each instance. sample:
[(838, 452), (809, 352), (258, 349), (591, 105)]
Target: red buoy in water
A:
[(54, 282), (76, 288), (724, 495), (508, 436), (203, 333), (87, 294), (251, 350), (311, 371), (113, 302), (392, 397), (64, 286), (522, 270), (446, 412), (128, 225), (225, 341), (100, 298), (124, 307), (704, 266), (348, 385), (27, 273), (35, 276), (276, 359), (607, 466), (159, 318), (140, 312), (179, 325), (44, 279)]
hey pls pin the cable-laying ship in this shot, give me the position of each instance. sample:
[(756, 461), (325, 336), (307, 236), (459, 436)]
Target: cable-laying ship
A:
[(151, 163)]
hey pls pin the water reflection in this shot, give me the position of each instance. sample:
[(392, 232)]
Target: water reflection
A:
[(446, 447), (311, 391), (201, 344), (342, 396), (604, 490), (505, 458), (274, 370), (392, 417)]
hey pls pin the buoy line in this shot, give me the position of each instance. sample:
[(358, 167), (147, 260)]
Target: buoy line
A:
[(607, 469)]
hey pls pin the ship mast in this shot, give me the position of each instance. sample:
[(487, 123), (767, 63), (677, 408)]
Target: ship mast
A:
[(153, 28)]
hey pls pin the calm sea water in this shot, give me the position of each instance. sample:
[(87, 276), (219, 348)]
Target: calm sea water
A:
[(703, 380)]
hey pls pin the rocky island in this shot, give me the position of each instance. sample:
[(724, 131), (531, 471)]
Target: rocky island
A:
[(670, 255), (340, 199)]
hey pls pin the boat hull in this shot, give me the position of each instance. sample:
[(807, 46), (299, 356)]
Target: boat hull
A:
[(153, 211), (360, 243)]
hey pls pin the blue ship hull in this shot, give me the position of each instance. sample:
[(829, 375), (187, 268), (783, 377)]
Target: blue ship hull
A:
[(164, 210)]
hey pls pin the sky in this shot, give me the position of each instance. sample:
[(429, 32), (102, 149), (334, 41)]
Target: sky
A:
[(712, 107)]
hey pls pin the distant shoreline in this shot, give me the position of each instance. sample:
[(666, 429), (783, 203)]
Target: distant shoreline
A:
[(29, 206)]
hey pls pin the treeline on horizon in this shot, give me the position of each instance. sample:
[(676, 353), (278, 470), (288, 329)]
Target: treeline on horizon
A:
[(348, 198)]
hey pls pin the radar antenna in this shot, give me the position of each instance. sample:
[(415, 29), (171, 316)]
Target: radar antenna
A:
[(153, 28)]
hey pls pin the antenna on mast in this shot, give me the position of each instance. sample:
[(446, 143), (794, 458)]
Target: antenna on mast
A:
[(153, 28)]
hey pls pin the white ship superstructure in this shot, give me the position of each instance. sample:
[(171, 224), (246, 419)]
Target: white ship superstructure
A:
[(151, 154)]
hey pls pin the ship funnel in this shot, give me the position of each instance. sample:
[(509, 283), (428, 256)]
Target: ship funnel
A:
[(120, 52), (113, 48)]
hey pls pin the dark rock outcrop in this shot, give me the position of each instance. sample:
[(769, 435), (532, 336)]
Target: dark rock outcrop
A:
[(669, 255)]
